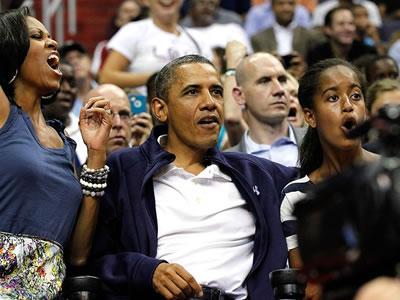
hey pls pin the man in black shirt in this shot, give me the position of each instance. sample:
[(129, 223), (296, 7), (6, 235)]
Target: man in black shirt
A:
[(341, 32)]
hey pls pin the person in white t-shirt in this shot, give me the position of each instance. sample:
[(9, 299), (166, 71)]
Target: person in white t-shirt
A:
[(203, 18), (142, 48), (322, 9), (127, 11)]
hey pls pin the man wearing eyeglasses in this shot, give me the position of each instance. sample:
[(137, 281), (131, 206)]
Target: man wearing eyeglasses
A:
[(121, 131)]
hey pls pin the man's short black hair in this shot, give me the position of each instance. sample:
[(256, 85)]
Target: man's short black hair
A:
[(166, 77), (329, 16), (372, 62), (71, 46)]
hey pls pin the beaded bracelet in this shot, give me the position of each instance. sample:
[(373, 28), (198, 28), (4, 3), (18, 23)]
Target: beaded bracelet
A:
[(94, 181)]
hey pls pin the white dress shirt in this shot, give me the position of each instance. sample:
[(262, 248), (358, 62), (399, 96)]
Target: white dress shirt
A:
[(284, 38), (204, 225)]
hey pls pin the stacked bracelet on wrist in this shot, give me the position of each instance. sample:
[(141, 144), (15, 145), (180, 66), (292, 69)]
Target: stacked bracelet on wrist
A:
[(94, 181)]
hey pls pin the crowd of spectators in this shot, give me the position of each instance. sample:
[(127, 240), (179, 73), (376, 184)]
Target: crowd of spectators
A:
[(196, 100)]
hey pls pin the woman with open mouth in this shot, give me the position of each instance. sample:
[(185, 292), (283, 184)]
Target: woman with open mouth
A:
[(42, 205), (331, 94)]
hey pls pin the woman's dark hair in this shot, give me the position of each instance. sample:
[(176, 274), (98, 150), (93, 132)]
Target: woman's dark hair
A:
[(311, 153), (14, 46)]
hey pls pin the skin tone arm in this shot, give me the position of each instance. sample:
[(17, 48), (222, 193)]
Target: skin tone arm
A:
[(95, 125), (313, 291), (295, 259), (234, 122), (4, 108), (114, 72)]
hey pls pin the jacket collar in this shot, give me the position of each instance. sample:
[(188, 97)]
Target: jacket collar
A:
[(154, 152), (158, 157)]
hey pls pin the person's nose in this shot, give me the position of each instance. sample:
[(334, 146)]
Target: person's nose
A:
[(350, 27), (277, 89), (347, 105), (116, 121), (208, 101), (65, 85), (52, 43)]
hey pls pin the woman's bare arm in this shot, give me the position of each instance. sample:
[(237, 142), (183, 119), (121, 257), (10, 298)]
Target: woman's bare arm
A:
[(114, 71)]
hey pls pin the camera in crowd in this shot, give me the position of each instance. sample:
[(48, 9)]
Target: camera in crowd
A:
[(349, 225), (288, 284)]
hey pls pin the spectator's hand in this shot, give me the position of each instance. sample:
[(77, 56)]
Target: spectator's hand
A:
[(95, 123), (382, 288), (297, 65), (234, 53), (313, 291), (372, 32), (172, 281), (141, 128)]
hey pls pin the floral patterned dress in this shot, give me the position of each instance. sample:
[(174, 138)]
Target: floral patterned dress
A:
[(30, 268)]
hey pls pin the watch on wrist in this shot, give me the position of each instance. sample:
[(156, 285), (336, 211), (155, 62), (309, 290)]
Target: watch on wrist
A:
[(230, 72)]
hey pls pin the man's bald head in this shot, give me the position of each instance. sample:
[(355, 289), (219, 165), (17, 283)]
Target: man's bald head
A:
[(250, 64), (110, 92), (120, 134), (261, 87)]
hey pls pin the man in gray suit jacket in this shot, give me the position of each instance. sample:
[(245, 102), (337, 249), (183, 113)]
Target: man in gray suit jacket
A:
[(285, 36), (262, 88)]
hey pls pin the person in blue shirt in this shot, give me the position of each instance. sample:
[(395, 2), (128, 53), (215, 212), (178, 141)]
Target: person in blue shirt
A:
[(42, 208), (262, 16), (261, 87)]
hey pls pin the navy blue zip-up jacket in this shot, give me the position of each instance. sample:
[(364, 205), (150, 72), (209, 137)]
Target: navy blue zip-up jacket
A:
[(125, 244)]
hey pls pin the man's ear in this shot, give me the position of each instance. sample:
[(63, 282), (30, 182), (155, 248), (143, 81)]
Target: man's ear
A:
[(310, 117), (160, 109), (327, 31), (239, 96)]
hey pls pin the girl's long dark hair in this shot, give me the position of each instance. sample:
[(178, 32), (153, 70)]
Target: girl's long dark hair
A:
[(311, 153)]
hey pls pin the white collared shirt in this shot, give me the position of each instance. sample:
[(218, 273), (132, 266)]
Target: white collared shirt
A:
[(204, 225), (284, 38), (74, 133), (284, 150)]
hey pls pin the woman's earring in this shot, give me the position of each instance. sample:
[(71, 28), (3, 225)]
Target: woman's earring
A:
[(13, 78)]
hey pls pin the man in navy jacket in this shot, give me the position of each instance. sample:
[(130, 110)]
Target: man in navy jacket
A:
[(132, 253)]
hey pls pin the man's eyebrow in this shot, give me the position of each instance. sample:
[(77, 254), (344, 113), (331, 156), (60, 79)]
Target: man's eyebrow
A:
[(263, 77), (190, 87), (217, 86), (282, 76)]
